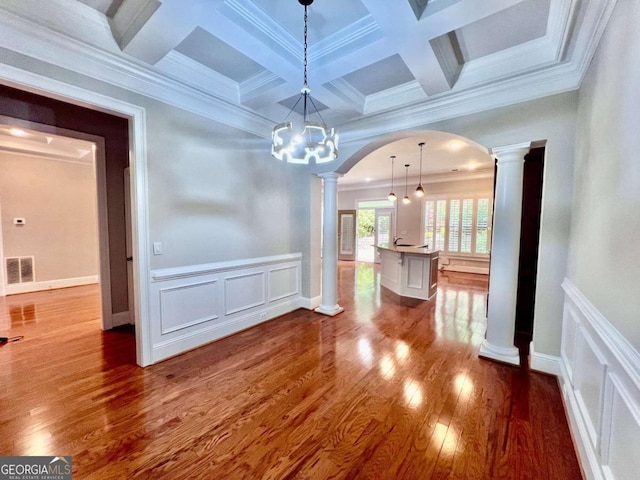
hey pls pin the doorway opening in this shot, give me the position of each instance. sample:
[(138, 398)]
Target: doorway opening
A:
[(53, 212), (374, 228)]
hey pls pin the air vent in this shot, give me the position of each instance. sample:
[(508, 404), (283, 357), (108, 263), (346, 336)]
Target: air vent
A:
[(19, 270)]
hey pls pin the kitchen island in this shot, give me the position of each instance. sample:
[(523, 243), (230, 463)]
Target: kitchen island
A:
[(409, 271)]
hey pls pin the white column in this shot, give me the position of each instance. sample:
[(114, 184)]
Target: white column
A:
[(505, 252), (329, 305)]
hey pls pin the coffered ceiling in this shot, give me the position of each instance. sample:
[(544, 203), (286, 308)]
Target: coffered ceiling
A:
[(375, 66)]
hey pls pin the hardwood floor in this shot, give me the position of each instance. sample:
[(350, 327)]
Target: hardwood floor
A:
[(387, 389)]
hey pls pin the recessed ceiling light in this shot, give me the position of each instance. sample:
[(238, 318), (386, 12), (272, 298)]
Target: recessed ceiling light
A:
[(472, 166), (17, 132)]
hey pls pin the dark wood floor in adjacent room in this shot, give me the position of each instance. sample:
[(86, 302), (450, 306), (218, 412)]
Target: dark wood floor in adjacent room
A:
[(387, 389)]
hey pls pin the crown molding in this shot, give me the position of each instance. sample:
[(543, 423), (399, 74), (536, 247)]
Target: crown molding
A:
[(407, 93), (344, 90), (130, 18), (89, 162), (187, 70), (432, 178), (456, 104), (382, 113), (33, 40), (253, 19), (254, 85), (347, 40)]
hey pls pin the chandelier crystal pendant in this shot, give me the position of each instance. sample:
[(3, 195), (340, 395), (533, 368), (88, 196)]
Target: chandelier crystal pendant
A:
[(392, 196), (420, 190), (314, 142), (406, 200)]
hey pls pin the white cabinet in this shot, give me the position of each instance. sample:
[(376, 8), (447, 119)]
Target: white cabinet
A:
[(409, 271)]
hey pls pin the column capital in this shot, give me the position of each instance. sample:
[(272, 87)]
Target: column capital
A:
[(511, 153), (330, 175)]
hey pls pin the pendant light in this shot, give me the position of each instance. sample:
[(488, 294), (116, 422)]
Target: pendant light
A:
[(406, 200), (420, 190), (392, 196), (314, 142)]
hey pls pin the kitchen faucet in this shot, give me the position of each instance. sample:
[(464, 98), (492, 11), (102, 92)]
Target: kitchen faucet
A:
[(395, 240)]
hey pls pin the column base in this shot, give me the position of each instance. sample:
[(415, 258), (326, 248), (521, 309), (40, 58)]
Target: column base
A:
[(510, 355), (329, 311)]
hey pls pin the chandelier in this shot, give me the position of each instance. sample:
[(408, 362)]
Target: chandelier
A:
[(314, 142)]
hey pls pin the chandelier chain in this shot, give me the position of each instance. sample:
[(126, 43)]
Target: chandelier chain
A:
[(305, 45)]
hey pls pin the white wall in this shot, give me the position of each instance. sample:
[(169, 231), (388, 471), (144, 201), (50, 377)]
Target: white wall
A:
[(600, 355), (58, 201), (604, 261)]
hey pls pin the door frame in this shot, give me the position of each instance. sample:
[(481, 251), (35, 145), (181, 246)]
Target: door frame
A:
[(41, 85), (2, 267), (354, 239), (380, 212)]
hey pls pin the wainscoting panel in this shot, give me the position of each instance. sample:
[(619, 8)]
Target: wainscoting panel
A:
[(242, 292), (600, 376), (202, 299), (569, 330), (194, 305), (284, 282), (621, 446)]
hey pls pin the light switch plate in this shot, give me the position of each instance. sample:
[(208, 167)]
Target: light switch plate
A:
[(157, 248)]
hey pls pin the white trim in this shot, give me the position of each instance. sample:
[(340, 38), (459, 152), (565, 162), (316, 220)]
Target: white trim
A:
[(310, 303), (2, 267), (553, 76), (50, 284), (218, 267), (138, 143), (508, 355), (541, 362), (619, 346), (120, 318), (203, 317), (29, 38), (594, 400)]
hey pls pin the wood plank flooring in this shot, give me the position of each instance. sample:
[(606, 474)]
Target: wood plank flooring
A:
[(387, 389)]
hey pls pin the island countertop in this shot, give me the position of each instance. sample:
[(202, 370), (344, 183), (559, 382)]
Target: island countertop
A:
[(409, 249)]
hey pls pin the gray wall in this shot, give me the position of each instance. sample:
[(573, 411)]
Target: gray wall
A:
[(605, 239), (58, 201)]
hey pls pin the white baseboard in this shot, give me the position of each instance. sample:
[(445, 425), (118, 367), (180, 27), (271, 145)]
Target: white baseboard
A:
[(121, 318), (50, 284), (310, 303), (541, 362), (464, 269)]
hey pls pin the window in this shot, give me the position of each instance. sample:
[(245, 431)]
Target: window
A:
[(458, 225)]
